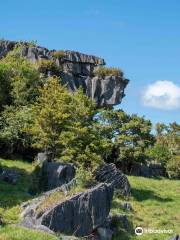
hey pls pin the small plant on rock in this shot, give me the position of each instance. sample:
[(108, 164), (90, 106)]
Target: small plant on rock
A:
[(48, 65), (108, 71), (58, 54), (84, 177)]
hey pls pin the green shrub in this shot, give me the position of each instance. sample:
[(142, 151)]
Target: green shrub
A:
[(173, 167), (108, 71), (48, 65), (32, 43), (159, 153), (84, 177), (13, 124), (5, 86), (19, 79), (58, 54)]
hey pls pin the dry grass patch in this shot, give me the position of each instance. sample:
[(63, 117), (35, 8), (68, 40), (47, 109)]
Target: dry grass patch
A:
[(57, 198), (108, 71)]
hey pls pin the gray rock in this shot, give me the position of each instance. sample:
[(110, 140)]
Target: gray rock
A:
[(126, 206), (9, 176), (108, 173), (44, 157), (80, 215), (147, 170), (177, 237), (76, 69), (104, 233), (57, 174)]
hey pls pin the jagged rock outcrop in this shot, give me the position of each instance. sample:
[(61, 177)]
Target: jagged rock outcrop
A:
[(148, 170), (80, 215), (77, 69), (108, 173)]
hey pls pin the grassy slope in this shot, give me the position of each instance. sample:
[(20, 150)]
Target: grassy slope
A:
[(156, 204), (10, 199)]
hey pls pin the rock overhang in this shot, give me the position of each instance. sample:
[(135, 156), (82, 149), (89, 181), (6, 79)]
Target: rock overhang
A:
[(77, 69)]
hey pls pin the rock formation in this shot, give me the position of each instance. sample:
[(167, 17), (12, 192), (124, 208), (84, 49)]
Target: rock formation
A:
[(57, 174), (76, 69), (108, 173), (80, 215)]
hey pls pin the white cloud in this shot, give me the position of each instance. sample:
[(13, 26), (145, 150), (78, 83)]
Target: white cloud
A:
[(162, 95)]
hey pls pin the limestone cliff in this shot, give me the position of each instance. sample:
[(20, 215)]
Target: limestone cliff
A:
[(76, 69)]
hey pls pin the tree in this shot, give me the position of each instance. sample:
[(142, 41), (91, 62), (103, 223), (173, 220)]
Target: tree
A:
[(173, 167), (159, 153), (166, 149), (13, 125), (63, 124), (20, 79), (130, 136), (5, 87)]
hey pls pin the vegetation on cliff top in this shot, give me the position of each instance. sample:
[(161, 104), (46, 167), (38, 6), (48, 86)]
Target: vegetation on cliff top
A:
[(108, 71)]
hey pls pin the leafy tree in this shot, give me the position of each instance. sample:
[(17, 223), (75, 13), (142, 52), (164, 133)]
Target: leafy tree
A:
[(13, 125), (173, 167), (63, 124), (166, 149), (5, 88), (159, 154), (130, 135), (169, 136), (20, 78)]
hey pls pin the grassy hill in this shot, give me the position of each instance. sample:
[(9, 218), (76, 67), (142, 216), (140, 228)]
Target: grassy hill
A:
[(155, 202)]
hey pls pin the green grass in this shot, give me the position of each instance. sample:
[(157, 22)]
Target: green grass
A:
[(20, 233), (155, 202), (156, 205), (11, 197)]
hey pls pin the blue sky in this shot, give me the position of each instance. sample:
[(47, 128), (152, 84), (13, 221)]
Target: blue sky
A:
[(141, 37)]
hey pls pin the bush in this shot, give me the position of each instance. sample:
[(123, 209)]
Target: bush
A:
[(48, 65), (19, 79), (5, 87), (58, 54), (108, 71), (13, 124), (173, 167), (159, 153), (84, 177)]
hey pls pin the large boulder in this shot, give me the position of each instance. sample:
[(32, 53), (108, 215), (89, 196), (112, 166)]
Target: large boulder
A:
[(50, 174), (108, 173), (76, 69), (57, 174), (10, 176), (80, 215)]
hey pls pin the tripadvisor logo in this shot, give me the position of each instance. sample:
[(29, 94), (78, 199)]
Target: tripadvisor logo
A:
[(139, 231)]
